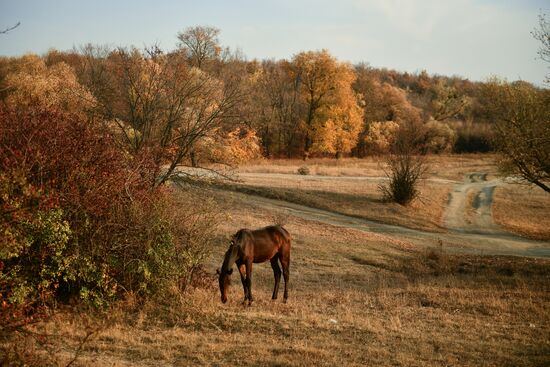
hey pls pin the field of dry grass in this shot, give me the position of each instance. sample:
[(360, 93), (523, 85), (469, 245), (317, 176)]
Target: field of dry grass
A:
[(358, 198), (356, 298), (353, 187), (524, 210), (451, 167)]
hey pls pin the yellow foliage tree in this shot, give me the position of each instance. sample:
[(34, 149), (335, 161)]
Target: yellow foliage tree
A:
[(56, 87), (332, 117), (233, 148), (381, 136)]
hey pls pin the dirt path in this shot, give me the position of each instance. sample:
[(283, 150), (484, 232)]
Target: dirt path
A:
[(470, 206)]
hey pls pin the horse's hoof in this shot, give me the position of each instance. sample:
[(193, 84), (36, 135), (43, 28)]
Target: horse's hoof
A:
[(284, 300)]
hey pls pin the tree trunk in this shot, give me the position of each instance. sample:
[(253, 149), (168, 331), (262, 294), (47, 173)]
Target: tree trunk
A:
[(194, 161)]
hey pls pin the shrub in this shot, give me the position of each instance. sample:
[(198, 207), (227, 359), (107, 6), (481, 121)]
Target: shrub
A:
[(164, 241), (80, 218), (59, 182), (439, 137), (473, 137), (404, 171), (304, 170)]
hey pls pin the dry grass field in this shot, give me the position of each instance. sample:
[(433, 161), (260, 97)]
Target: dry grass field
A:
[(355, 197), (451, 167), (356, 298), (523, 210)]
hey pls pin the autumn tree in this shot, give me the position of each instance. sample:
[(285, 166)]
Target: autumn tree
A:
[(522, 124), (380, 136), (155, 104), (277, 96), (201, 43), (331, 116), (33, 84), (446, 103), (386, 110)]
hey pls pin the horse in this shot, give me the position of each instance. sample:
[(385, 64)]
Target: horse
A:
[(256, 246)]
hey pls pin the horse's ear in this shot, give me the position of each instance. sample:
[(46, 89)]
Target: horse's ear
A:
[(218, 271), (230, 271)]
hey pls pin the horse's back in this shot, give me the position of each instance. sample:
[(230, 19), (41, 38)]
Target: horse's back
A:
[(278, 232), (264, 243)]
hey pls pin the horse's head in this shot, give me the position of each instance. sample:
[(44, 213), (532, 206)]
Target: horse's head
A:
[(227, 268), (224, 281)]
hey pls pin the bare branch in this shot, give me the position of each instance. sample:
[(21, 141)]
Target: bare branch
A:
[(5, 31)]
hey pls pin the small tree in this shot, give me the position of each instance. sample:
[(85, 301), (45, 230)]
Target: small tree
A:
[(404, 171), (522, 124)]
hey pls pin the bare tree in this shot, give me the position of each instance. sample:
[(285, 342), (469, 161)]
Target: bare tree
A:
[(522, 124), (278, 120), (155, 104), (202, 44), (542, 34)]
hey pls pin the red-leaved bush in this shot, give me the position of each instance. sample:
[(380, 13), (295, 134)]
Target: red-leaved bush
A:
[(79, 217)]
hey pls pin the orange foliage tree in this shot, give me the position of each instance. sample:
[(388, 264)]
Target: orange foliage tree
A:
[(332, 116)]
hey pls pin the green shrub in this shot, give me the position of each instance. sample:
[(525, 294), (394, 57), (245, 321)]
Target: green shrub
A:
[(40, 261), (165, 241)]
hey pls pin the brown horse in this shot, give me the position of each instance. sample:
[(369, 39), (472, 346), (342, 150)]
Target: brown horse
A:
[(257, 246)]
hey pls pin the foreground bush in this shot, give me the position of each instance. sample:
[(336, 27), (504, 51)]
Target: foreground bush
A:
[(79, 218)]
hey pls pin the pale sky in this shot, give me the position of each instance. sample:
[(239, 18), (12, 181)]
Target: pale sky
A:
[(469, 38)]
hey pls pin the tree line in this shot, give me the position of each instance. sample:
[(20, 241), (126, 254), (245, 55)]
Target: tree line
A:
[(202, 102)]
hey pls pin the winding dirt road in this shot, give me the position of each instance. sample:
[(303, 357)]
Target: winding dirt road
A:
[(470, 231)]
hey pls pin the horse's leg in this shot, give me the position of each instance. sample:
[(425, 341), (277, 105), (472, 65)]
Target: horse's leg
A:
[(242, 272), (277, 274), (249, 280), (285, 263)]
